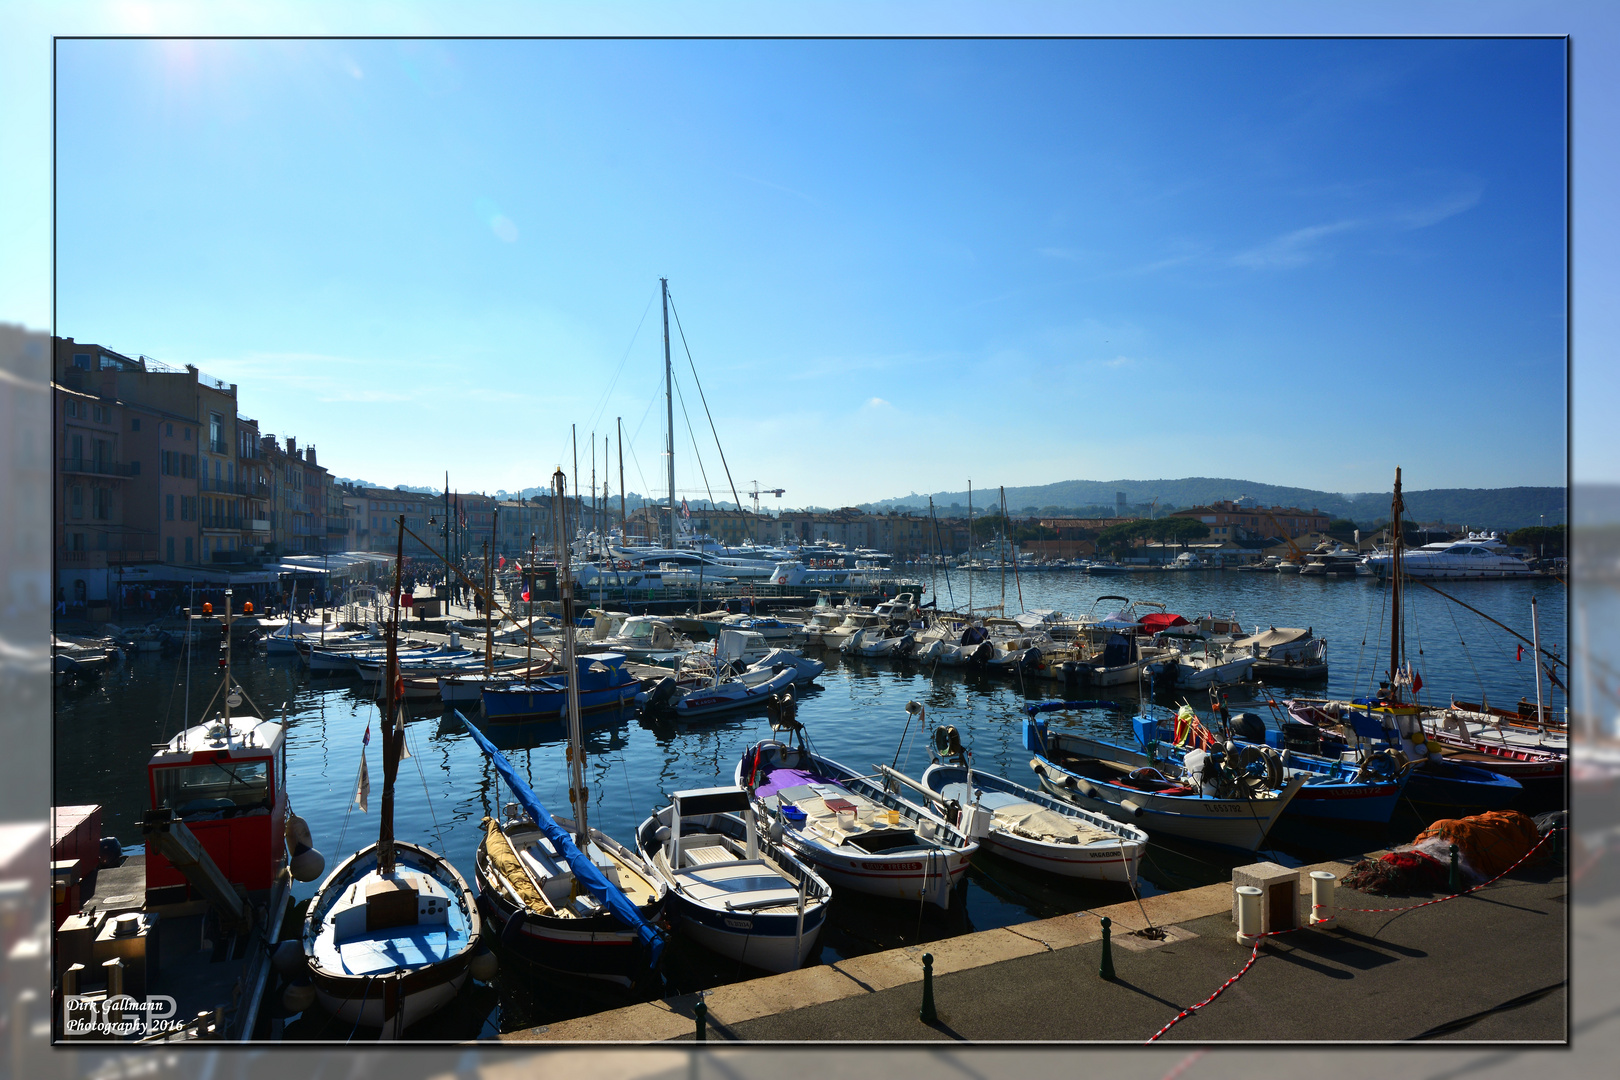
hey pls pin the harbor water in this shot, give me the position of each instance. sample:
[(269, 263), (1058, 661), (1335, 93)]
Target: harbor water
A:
[(856, 714)]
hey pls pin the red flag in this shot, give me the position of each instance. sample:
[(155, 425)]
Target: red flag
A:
[(1521, 653), (406, 600), (525, 598), (502, 564), (1417, 682)]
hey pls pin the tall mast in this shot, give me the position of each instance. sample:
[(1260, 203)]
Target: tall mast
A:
[(391, 739), (1535, 634), (970, 547), (624, 516), (576, 739), (573, 433), (489, 627), (669, 408), (1396, 508), (596, 526)]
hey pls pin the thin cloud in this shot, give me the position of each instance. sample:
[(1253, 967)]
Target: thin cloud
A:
[(1293, 249), (1450, 206), (878, 403)]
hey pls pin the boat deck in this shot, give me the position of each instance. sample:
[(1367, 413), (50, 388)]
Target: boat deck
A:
[(191, 958)]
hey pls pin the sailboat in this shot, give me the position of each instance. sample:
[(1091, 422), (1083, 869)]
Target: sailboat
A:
[(392, 934), (559, 894), (1368, 722)]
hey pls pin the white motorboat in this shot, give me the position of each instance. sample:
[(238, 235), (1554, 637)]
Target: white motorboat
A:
[(730, 889), (857, 834)]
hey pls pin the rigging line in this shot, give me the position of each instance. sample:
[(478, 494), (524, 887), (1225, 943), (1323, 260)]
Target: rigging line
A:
[(437, 835), (1470, 656), (1551, 656), (690, 434), (705, 401), (608, 393)]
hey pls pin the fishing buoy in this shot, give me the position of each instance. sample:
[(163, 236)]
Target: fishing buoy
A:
[(208, 609), (306, 864), (483, 966), (298, 996), (288, 959)]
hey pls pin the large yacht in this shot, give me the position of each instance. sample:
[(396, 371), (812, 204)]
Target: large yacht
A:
[(1481, 555)]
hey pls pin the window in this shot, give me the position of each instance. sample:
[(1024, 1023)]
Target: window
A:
[(168, 513), (102, 413), (188, 510), (76, 541), (188, 434), (81, 360), (135, 468), (188, 549), (100, 503), (168, 549), (76, 500), (73, 408), (134, 423), (168, 429)]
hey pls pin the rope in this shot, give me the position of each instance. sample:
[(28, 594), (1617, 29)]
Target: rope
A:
[(428, 795), (682, 331), (1255, 954)]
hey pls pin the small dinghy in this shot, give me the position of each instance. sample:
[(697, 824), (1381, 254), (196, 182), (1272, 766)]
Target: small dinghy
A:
[(730, 889)]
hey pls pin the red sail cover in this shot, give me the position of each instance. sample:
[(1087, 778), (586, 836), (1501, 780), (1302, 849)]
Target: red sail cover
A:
[(1161, 620)]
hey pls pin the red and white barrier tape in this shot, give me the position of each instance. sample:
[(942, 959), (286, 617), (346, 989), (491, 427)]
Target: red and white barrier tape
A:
[(1255, 954)]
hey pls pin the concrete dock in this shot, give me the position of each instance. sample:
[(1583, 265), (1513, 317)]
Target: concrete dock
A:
[(1485, 966)]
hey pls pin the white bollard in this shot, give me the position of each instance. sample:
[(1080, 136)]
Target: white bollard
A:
[(1322, 888), (1248, 931)]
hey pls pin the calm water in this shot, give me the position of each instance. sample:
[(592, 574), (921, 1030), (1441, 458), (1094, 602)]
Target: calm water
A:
[(104, 734)]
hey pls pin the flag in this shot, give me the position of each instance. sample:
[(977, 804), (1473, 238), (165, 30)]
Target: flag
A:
[(525, 598), (363, 789), (404, 747), (1417, 682), (1521, 653), (502, 564), (406, 600), (686, 511)]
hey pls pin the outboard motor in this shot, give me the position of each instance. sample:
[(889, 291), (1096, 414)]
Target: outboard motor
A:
[(1249, 727)]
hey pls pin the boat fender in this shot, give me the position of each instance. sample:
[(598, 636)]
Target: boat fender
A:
[(1134, 808), (1035, 764), (483, 966), (298, 996), (288, 959), (307, 864), (1085, 789)]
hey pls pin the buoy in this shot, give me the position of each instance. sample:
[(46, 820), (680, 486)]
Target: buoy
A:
[(208, 609), (247, 608), (288, 959), (483, 966), (298, 996), (307, 865)]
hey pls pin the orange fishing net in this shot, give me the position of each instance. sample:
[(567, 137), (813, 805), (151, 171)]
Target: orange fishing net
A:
[(1489, 842)]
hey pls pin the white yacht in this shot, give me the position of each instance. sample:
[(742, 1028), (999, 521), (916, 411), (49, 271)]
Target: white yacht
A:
[(1481, 555)]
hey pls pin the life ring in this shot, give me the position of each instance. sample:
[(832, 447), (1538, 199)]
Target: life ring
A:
[(624, 564)]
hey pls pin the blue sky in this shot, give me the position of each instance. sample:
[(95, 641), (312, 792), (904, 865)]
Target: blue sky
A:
[(899, 265)]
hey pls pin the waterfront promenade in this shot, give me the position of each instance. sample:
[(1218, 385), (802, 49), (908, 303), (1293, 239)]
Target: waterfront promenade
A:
[(1486, 966)]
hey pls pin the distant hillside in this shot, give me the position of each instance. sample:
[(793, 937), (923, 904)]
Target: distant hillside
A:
[(1493, 508)]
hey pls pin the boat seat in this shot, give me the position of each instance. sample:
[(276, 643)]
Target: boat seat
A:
[(706, 855)]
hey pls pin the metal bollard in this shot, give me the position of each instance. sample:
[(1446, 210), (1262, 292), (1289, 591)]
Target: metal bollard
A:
[(1454, 882), (1106, 970), (701, 1011), (927, 1014)]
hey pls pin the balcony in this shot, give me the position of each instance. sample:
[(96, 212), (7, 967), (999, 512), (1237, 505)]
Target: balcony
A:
[(224, 487), (219, 446), (94, 466), (261, 525), (223, 521)]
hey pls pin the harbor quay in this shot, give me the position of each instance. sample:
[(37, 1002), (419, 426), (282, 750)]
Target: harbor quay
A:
[(1486, 966)]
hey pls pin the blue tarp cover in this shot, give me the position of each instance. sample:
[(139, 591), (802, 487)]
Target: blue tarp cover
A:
[(585, 871)]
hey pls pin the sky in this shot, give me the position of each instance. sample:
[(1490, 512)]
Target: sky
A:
[(896, 266)]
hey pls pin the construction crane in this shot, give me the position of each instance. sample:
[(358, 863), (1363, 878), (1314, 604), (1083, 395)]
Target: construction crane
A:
[(1295, 554), (756, 491)]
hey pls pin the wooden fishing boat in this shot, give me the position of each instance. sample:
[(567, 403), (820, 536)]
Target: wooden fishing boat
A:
[(1119, 781), (393, 932), (559, 894)]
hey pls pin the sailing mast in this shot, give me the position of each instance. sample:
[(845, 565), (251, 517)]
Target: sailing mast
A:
[(576, 739), (624, 516), (1396, 508), (391, 738), (669, 406), (970, 547)]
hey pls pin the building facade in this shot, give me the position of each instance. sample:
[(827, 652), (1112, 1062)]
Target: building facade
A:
[(1242, 519)]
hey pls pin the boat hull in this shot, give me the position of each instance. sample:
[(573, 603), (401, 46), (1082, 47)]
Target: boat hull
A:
[(355, 981)]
